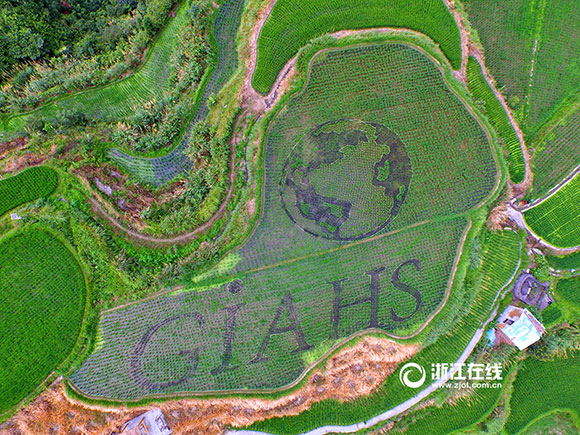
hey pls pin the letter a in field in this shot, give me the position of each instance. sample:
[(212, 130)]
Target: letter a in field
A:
[(287, 304)]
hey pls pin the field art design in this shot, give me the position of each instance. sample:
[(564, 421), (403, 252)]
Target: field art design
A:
[(557, 218), (26, 186), (317, 269), (259, 330), (292, 24), (42, 304), (375, 175)]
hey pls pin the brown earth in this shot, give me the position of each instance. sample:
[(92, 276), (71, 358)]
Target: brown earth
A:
[(351, 373)]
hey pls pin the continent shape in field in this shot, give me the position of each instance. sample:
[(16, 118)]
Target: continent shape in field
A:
[(345, 179)]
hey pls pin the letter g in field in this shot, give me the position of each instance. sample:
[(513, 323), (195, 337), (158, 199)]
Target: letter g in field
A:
[(409, 368)]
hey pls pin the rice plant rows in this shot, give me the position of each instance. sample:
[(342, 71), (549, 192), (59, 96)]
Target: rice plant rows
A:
[(481, 90), (259, 330), (557, 155), (293, 23), (567, 262), (28, 185), (557, 219), (398, 88), (556, 382), (532, 50), (569, 289), (42, 300), (161, 170), (500, 260)]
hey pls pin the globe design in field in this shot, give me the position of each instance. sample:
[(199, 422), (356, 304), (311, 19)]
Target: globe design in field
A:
[(345, 179)]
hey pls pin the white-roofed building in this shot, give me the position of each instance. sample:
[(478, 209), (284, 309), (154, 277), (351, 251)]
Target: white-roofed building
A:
[(151, 423), (518, 327)]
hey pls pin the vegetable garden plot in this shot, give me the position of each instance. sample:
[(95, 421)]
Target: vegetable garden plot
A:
[(555, 382), (557, 219), (258, 330), (500, 256), (26, 186), (294, 23), (42, 301), (481, 90), (390, 109), (569, 289), (558, 155), (160, 170)]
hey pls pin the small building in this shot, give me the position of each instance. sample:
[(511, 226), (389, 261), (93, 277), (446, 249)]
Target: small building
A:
[(15, 217), (151, 423), (518, 327), (532, 292)]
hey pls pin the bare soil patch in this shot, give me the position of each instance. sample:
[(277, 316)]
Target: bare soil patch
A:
[(349, 374)]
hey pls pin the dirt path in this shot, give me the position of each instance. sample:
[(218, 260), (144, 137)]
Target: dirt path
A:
[(351, 373)]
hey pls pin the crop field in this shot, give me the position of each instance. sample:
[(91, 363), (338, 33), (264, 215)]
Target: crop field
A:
[(435, 156), (293, 23), (42, 302), (26, 186), (567, 262), (316, 255), (257, 331), (532, 50), (500, 262), (557, 155), (481, 90), (569, 289), (119, 99), (556, 382), (160, 170), (557, 219)]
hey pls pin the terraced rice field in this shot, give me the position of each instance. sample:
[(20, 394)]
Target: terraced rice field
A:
[(532, 50), (42, 303), (26, 186), (556, 382), (160, 170), (557, 219), (259, 329), (557, 155), (293, 23), (481, 91), (319, 268)]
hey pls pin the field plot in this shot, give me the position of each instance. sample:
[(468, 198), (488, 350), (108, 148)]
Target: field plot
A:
[(373, 121), (293, 23), (259, 330), (556, 382), (569, 289), (532, 50), (42, 302), (26, 186), (160, 170), (376, 128), (481, 90), (558, 155), (557, 219), (500, 262), (119, 99)]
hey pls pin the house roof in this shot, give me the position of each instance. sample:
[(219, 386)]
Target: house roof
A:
[(520, 327), (522, 332)]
